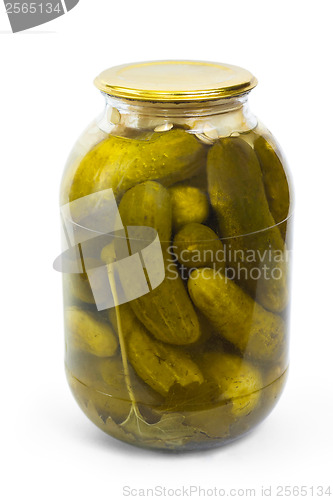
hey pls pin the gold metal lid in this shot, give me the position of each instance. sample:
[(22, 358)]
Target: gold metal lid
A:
[(175, 81)]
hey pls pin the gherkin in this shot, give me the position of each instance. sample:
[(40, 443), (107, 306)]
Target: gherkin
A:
[(257, 333), (121, 163), (172, 321), (86, 332), (238, 380), (78, 286), (275, 180), (148, 204), (256, 250), (196, 245), (159, 365), (189, 204)]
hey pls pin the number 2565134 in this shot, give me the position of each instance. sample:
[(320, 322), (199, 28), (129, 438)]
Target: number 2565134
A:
[(32, 8)]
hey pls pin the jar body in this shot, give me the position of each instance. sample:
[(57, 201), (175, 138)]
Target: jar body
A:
[(176, 290)]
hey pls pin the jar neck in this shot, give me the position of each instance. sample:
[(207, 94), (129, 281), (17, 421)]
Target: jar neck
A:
[(227, 115), (170, 109)]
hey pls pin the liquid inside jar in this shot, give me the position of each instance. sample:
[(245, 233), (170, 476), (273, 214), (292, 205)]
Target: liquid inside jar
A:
[(176, 289)]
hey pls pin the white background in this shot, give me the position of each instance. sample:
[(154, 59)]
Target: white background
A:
[(50, 448)]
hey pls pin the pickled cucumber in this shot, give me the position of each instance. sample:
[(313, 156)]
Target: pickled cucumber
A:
[(167, 311), (159, 365), (238, 380), (275, 179), (259, 334), (172, 321), (87, 333), (189, 204), (78, 283), (148, 204), (78, 286), (138, 341), (196, 245), (256, 248), (120, 163)]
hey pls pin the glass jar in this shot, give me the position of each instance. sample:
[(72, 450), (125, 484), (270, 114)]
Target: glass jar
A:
[(175, 209)]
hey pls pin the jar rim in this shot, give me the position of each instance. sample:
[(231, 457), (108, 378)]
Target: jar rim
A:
[(175, 81)]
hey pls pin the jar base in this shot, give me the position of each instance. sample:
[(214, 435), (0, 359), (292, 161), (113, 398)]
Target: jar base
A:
[(153, 428)]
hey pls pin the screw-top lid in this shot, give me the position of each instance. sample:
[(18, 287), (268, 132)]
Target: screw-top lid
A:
[(175, 81)]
